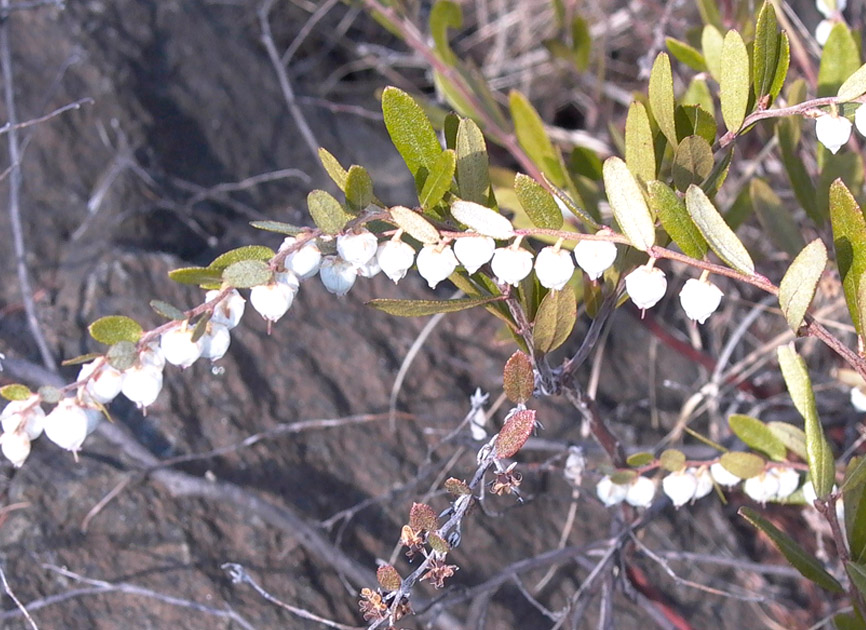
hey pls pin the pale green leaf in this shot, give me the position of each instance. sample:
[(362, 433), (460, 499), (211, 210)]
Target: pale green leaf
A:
[(473, 175), (122, 355), (849, 241), (411, 132), (328, 214), (246, 274), (775, 217), (781, 67), (534, 139), (636, 460), (765, 50), (414, 224), (672, 460), (661, 97), (439, 180), (248, 252), (639, 149), (798, 286), (757, 435), (734, 81), (554, 320), (15, 391), (743, 465), (794, 438), (684, 53), (201, 276), (333, 167), (712, 42), (114, 328), (420, 308), (278, 226), (675, 219), (537, 202), (693, 162), (854, 86), (167, 310), (840, 59), (628, 204), (444, 15), (857, 572), (719, 236), (359, 189)]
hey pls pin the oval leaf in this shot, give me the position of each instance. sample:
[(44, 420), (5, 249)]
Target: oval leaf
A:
[(839, 60), (167, 310), (517, 429), (849, 241), (278, 226), (684, 53), (534, 139), (672, 460), (711, 45), (639, 149), (249, 252), (439, 180), (15, 391), (794, 438), (719, 236), (411, 132), (246, 274), (775, 217), (473, 164), (114, 328), (328, 214), (414, 224), (766, 50), (482, 219), (201, 276), (554, 320), (518, 378), (628, 203), (334, 169), (539, 204), (122, 355), (693, 162), (675, 219), (854, 86), (359, 189), (420, 308), (637, 460), (757, 435), (743, 465), (797, 289), (661, 97), (734, 81)]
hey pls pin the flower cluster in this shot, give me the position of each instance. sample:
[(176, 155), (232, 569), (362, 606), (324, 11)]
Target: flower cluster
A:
[(647, 285), (691, 483)]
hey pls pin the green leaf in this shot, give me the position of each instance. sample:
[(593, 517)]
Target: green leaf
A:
[(788, 132), (473, 176), (639, 149), (15, 391), (684, 53), (167, 310), (81, 358), (797, 289), (581, 42), (672, 460), (411, 132), (109, 330), (439, 181), (201, 327), (698, 93), (845, 165), (534, 139), (328, 214), (719, 236), (766, 50), (818, 453), (854, 86), (775, 217), (849, 241), (800, 559), (782, 65), (734, 81), (712, 42), (757, 435), (854, 500), (628, 204), (518, 378), (839, 60), (278, 226), (359, 189), (414, 225), (122, 355), (249, 252), (693, 162), (444, 15), (334, 169), (420, 308), (554, 320), (709, 10), (743, 465), (794, 438), (694, 120), (636, 460), (661, 97), (538, 203), (201, 276), (246, 274), (857, 572), (675, 219), (50, 394)]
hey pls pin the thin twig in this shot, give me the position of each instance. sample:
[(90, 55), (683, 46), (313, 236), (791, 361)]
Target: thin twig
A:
[(15, 599)]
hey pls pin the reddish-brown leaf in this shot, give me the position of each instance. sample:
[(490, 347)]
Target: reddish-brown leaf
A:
[(518, 378), (516, 431)]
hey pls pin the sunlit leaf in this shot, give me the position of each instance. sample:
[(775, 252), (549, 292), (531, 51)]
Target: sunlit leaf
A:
[(278, 226), (849, 241), (639, 151), (684, 53), (734, 81), (840, 59), (712, 42), (675, 219), (794, 438), (414, 224), (554, 320), (15, 391), (672, 460), (444, 15), (766, 50), (718, 235), (411, 132), (757, 435), (798, 286), (537, 202), (248, 252), (420, 308), (439, 180), (327, 213), (473, 175), (628, 204), (246, 274), (661, 97), (854, 86), (534, 139), (743, 465), (359, 189), (113, 328)]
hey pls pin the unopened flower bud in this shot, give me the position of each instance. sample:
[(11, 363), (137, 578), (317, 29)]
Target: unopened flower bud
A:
[(23, 415), (303, 262), (609, 492), (357, 247), (395, 258), (215, 342), (142, 384), (646, 286), (554, 267), (474, 251), (179, 348), (761, 488), (15, 447), (436, 263), (705, 481), (229, 310), (272, 300), (641, 492), (511, 265), (789, 481), (67, 424), (337, 275), (103, 383), (700, 299), (594, 257), (723, 476), (832, 131), (680, 487)]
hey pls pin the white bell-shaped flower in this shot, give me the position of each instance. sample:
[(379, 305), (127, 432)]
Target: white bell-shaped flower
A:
[(370, 269), (272, 300), (23, 415), (646, 286), (215, 341), (762, 488), (822, 31), (832, 131), (152, 356), (594, 257), (395, 258), (809, 494), (825, 8), (700, 299), (511, 264), (357, 247), (337, 275), (860, 119), (705, 481), (640, 492), (67, 424), (15, 447), (436, 263), (94, 417), (104, 382), (142, 384), (858, 399), (178, 347), (554, 267), (474, 251), (789, 481), (723, 476), (229, 310), (303, 262), (610, 493), (680, 487)]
